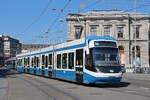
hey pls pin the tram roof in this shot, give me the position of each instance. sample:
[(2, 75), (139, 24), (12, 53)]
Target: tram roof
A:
[(64, 46)]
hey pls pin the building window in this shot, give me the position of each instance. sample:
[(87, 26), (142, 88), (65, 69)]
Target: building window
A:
[(107, 31), (120, 32), (78, 32), (121, 53), (93, 30), (137, 29)]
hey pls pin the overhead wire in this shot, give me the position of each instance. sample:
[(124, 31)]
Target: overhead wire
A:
[(138, 7), (92, 4), (57, 17), (37, 19), (97, 1)]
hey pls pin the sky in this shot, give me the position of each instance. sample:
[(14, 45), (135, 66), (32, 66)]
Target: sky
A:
[(29, 20)]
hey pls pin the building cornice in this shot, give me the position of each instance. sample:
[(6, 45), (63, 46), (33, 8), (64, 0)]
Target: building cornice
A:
[(104, 18)]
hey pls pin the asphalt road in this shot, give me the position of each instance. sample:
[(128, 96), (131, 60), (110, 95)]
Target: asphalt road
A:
[(20, 86)]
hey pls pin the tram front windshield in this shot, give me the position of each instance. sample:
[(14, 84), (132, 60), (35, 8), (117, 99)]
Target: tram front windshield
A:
[(105, 59)]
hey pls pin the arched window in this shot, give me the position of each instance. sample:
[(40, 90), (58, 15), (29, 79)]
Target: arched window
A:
[(121, 53)]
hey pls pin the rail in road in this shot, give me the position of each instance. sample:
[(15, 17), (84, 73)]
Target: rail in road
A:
[(30, 87)]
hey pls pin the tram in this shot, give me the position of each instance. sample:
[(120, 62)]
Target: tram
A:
[(91, 59), (10, 63)]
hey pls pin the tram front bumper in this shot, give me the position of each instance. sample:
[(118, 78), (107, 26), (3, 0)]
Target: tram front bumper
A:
[(111, 79), (107, 80)]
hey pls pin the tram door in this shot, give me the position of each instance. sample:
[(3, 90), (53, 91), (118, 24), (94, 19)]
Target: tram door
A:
[(50, 65), (79, 65), (43, 64)]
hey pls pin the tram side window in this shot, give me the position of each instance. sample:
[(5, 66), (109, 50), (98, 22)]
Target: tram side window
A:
[(64, 61), (24, 62), (32, 62), (79, 57), (20, 62), (89, 62), (37, 61), (43, 59), (71, 60), (50, 59), (59, 61), (17, 62), (28, 61), (46, 61)]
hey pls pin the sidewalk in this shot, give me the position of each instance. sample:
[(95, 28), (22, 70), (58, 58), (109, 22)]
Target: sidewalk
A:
[(137, 76)]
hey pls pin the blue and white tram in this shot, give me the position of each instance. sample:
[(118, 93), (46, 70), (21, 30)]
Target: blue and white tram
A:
[(88, 60)]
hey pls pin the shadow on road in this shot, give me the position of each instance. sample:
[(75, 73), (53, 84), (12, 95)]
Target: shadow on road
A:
[(118, 85)]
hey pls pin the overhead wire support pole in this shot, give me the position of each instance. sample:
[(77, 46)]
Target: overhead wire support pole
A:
[(135, 34)]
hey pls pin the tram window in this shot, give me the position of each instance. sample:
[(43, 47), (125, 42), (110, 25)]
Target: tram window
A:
[(64, 61), (50, 59), (37, 61), (59, 61), (17, 62), (89, 62), (43, 59), (46, 61), (32, 62), (24, 63), (20, 62), (79, 57), (71, 60), (28, 61)]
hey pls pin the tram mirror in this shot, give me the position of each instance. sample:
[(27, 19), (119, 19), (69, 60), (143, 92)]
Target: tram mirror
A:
[(87, 51), (87, 48)]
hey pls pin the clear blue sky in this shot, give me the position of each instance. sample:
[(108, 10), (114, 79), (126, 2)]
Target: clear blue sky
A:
[(17, 15)]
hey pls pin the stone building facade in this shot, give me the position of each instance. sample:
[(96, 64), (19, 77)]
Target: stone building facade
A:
[(118, 24)]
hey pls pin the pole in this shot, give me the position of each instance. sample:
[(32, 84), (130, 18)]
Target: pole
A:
[(129, 25), (85, 28), (135, 35)]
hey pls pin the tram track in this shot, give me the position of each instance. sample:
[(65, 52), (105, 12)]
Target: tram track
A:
[(118, 89), (51, 92), (44, 87)]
